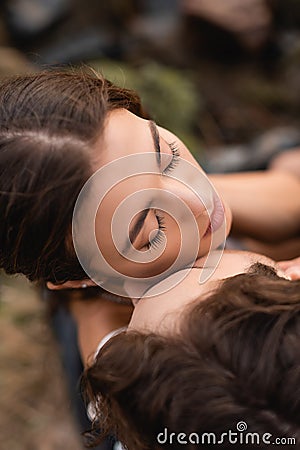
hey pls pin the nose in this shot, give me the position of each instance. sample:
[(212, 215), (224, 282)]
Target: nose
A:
[(198, 203)]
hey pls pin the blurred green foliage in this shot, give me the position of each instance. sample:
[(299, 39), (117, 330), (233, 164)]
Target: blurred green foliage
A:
[(270, 95), (169, 95)]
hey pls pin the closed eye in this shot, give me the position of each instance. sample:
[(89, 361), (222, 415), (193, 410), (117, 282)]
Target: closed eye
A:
[(175, 158), (158, 239), (173, 147)]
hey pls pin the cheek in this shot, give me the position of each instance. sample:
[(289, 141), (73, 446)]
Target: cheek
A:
[(174, 237), (182, 200), (123, 264), (168, 136), (186, 154)]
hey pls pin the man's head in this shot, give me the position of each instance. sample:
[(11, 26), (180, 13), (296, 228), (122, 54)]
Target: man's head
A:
[(233, 358)]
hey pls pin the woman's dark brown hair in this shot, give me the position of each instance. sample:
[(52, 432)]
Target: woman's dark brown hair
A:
[(48, 124), (236, 358)]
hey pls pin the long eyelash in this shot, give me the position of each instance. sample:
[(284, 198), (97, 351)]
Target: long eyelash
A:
[(159, 238), (156, 241), (161, 221), (175, 158)]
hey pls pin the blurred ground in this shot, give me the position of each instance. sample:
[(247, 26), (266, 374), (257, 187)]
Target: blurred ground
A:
[(34, 413)]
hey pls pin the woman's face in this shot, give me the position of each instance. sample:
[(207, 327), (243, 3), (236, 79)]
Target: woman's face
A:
[(156, 203), (160, 312)]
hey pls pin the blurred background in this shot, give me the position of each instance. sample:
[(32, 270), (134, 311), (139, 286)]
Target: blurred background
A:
[(222, 75)]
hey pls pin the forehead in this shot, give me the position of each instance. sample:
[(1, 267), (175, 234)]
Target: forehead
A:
[(123, 134)]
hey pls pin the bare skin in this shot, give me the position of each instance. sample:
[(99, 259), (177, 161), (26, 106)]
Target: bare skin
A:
[(289, 161), (265, 205), (291, 268), (160, 312), (95, 318), (274, 194)]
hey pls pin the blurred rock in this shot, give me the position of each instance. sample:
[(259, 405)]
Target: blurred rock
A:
[(249, 20), (255, 156), (27, 18)]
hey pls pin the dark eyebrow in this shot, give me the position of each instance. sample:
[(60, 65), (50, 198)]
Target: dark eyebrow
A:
[(155, 136), (133, 233), (143, 214)]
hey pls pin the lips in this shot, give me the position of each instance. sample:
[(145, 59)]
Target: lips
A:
[(216, 218)]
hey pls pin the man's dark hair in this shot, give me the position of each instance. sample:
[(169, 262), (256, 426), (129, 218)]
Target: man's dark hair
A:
[(236, 357)]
